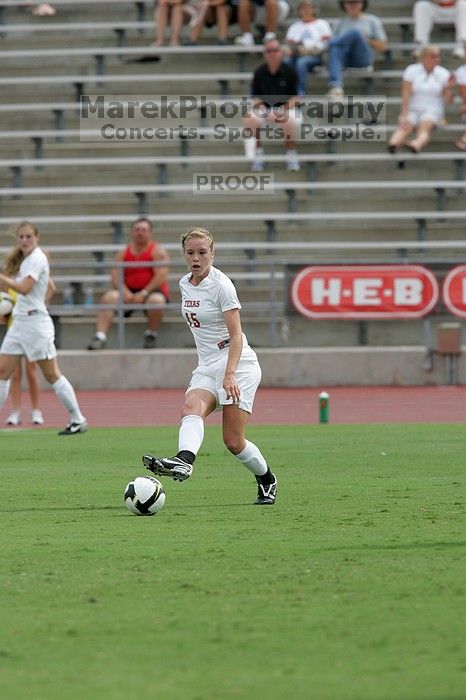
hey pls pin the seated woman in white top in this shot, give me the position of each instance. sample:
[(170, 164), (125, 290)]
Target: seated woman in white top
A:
[(461, 82), (425, 88)]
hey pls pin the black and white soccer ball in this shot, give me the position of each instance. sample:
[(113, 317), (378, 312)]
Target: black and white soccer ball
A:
[(6, 304), (144, 495)]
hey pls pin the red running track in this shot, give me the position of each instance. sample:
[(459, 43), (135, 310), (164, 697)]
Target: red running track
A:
[(273, 406)]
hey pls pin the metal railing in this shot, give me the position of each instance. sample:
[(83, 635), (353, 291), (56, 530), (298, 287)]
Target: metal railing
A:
[(271, 309)]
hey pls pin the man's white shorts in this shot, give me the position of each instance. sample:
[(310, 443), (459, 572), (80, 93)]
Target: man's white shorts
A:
[(248, 376), (32, 336)]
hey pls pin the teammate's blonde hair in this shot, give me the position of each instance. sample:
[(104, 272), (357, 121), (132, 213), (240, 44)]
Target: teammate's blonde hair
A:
[(16, 256), (198, 232)]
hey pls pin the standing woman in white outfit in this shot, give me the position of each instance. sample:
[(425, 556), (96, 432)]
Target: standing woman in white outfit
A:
[(32, 332), (425, 88), (227, 375)]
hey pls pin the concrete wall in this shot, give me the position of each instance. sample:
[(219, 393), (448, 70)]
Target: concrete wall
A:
[(296, 367)]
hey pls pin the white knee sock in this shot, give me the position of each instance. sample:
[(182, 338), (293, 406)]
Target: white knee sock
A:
[(191, 434), (4, 391), (253, 459), (67, 396)]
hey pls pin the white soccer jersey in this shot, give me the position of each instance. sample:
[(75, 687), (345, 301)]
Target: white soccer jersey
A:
[(34, 265), (202, 307)]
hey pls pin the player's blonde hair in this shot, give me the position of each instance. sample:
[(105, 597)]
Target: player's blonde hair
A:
[(198, 232), (15, 257)]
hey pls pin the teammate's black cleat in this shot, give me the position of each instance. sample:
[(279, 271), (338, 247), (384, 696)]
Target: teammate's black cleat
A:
[(177, 468), (266, 493)]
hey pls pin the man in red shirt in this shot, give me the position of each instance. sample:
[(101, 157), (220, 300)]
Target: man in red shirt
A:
[(145, 284)]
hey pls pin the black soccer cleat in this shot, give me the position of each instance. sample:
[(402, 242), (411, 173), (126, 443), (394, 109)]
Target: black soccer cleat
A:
[(74, 428), (177, 468), (266, 493)]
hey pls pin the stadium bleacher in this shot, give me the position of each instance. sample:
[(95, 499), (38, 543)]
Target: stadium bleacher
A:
[(74, 185)]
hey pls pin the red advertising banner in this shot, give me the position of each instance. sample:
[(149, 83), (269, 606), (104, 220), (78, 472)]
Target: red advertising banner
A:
[(454, 291), (364, 291)]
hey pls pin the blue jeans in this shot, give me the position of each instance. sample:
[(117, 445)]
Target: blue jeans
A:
[(350, 50), (304, 65)]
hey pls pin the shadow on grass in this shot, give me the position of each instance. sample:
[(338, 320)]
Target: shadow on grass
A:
[(413, 545), (64, 509)]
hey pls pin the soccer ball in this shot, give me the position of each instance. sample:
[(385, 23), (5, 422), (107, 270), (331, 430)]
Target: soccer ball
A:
[(6, 304), (144, 495)]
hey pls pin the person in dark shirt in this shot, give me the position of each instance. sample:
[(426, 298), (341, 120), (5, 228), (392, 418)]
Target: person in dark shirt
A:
[(275, 107)]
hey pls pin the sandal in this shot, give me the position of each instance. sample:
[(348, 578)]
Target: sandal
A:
[(461, 143)]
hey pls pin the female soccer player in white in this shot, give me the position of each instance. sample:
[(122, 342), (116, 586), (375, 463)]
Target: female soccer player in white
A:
[(31, 332), (227, 375)]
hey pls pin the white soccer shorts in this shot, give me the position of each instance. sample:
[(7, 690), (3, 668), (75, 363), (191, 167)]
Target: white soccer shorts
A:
[(248, 375), (33, 336)]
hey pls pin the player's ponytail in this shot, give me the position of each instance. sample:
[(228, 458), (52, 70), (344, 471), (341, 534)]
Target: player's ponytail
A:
[(15, 257)]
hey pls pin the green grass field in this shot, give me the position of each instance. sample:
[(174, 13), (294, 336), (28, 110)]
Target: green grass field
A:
[(350, 587)]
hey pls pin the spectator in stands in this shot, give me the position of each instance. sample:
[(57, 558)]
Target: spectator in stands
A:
[(259, 15), (140, 285), (174, 13), (275, 104), (425, 88), (426, 14), (211, 12), (227, 376), (31, 332), (461, 82), (246, 15), (307, 40), (356, 37)]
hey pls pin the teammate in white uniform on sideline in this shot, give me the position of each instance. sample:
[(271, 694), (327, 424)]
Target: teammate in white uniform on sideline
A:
[(32, 332), (227, 375)]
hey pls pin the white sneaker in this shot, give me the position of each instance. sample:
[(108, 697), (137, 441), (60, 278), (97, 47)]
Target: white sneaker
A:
[(459, 51), (336, 92), (258, 164), (37, 417), (246, 39), (14, 418), (269, 36), (292, 162)]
